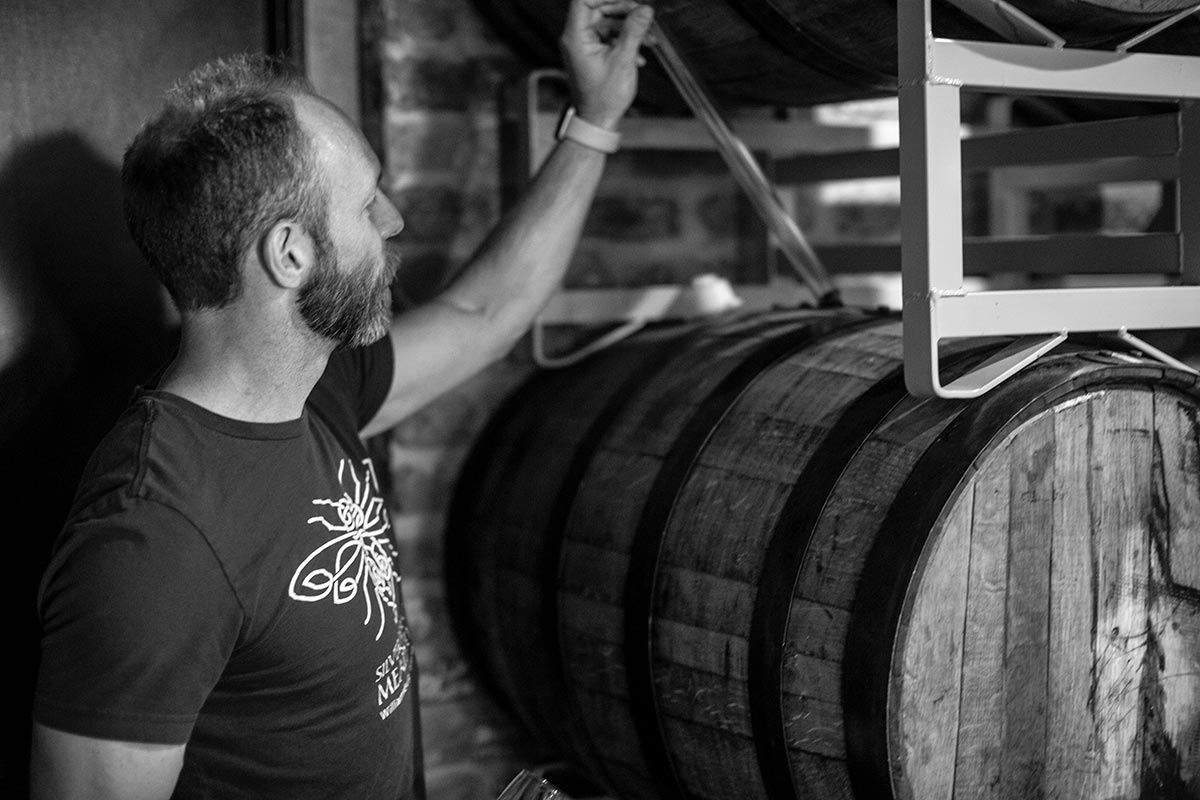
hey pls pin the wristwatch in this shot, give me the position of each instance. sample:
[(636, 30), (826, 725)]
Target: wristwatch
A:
[(579, 130)]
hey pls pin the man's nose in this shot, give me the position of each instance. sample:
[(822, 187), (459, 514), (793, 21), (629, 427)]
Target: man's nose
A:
[(390, 222)]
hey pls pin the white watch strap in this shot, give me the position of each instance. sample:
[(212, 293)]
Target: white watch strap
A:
[(579, 130)]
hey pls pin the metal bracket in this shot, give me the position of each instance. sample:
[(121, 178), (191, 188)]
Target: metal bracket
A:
[(1001, 366), (1154, 352)]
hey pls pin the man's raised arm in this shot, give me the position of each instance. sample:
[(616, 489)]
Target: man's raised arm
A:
[(479, 317)]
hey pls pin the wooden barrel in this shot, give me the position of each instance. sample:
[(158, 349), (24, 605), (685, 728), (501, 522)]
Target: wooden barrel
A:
[(737, 559), (803, 52)]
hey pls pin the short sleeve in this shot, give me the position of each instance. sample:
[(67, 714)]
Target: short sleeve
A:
[(355, 382), (138, 620)]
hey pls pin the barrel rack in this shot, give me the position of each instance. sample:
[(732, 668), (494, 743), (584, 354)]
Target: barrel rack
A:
[(933, 255), (933, 72)]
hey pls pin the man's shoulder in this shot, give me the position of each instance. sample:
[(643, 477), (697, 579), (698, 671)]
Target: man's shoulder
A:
[(118, 458), (161, 449)]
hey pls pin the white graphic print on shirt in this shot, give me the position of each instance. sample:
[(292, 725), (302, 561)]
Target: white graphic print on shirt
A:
[(360, 556)]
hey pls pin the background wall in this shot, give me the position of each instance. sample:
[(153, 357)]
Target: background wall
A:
[(82, 318)]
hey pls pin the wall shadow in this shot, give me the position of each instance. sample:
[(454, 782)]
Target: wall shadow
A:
[(83, 322)]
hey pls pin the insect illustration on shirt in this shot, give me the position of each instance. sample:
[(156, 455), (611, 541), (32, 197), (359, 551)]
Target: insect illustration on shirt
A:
[(360, 556)]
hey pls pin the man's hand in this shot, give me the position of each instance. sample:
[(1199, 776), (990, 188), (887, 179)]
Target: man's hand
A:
[(600, 45)]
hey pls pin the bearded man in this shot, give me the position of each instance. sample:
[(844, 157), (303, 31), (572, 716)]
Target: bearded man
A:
[(222, 615)]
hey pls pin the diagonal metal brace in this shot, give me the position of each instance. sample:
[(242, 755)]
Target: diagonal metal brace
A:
[(1009, 21), (1157, 29), (1124, 335)]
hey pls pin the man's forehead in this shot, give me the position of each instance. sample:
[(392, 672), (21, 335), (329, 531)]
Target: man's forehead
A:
[(331, 130)]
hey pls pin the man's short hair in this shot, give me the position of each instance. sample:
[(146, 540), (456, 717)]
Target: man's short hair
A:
[(223, 160)]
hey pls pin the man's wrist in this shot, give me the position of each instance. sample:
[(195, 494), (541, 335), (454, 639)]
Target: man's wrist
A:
[(579, 130)]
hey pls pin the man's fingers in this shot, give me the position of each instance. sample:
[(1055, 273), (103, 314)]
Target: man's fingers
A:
[(633, 32), (608, 28), (584, 14)]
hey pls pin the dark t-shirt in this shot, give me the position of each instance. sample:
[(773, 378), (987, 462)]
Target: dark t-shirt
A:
[(234, 586)]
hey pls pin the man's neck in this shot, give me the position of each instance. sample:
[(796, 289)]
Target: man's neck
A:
[(254, 378)]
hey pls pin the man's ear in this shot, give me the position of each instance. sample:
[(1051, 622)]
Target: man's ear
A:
[(288, 253)]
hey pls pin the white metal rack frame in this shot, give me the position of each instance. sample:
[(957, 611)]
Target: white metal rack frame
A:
[(936, 307)]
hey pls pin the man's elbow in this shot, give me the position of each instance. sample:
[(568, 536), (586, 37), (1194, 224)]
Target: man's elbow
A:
[(491, 329)]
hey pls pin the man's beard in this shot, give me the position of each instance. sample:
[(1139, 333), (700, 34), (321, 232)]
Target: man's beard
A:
[(352, 307)]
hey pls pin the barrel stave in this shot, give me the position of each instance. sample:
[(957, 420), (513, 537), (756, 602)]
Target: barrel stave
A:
[(1070, 757), (814, 731), (1177, 599)]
